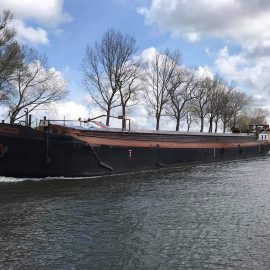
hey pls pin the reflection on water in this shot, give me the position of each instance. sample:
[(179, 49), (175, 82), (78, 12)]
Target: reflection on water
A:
[(213, 216)]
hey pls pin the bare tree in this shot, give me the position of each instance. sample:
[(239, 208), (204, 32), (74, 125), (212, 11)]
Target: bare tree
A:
[(233, 102), (181, 92), (33, 84), (226, 110), (256, 116), (9, 53), (239, 101), (190, 115), (129, 88), (159, 80), (106, 70), (242, 123), (216, 87), (202, 99)]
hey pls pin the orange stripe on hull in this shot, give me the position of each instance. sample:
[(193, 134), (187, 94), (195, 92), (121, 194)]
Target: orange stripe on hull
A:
[(161, 144)]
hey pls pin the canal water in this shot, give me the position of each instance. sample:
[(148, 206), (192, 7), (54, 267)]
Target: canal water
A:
[(212, 216)]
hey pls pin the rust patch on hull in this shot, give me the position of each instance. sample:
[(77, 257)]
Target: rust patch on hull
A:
[(160, 144)]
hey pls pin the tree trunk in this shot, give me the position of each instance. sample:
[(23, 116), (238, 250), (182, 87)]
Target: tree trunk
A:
[(158, 120), (202, 124), (210, 125), (108, 117), (124, 117), (216, 125), (224, 127), (13, 116), (234, 120), (12, 120), (177, 123)]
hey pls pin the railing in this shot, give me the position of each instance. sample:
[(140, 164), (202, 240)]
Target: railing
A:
[(46, 122)]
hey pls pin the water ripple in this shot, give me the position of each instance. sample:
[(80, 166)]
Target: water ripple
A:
[(212, 216)]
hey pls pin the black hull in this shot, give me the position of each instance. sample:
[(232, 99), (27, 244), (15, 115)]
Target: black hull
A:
[(60, 155)]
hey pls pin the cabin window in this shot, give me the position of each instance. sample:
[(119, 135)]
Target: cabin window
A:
[(263, 137)]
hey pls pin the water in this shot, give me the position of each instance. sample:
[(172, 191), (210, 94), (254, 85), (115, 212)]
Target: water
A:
[(213, 216)]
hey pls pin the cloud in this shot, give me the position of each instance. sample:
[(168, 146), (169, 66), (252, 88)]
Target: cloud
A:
[(48, 14), (27, 33), (148, 54), (242, 23), (204, 72), (4, 113), (246, 22), (70, 110), (250, 74)]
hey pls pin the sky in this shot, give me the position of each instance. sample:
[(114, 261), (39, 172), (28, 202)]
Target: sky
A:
[(228, 37)]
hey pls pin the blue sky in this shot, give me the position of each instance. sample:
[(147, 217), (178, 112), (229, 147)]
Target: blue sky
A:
[(90, 19), (229, 37)]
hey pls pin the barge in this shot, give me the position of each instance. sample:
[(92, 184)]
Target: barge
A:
[(62, 150)]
